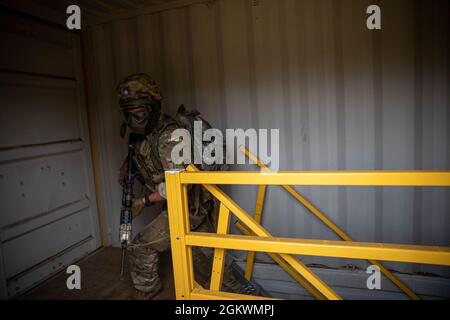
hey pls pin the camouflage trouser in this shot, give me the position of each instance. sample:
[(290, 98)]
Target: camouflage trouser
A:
[(144, 259)]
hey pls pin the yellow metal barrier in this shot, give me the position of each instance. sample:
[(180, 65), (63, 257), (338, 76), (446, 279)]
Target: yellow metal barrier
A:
[(322, 217), (259, 239)]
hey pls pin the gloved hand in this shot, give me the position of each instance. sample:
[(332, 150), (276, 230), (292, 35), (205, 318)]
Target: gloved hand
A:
[(137, 206)]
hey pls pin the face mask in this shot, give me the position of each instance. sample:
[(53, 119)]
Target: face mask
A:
[(136, 126), (144, 124), (135, 123)]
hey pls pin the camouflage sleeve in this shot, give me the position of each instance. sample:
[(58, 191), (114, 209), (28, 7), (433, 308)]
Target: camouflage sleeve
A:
[(166, 144)]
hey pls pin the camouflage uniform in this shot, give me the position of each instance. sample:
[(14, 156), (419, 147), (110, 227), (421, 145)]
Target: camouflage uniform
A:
[(152, 158)]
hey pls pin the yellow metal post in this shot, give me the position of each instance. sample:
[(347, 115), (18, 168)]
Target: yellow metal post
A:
[(181, 254), (341, 233), (219, 254), (258, 216)]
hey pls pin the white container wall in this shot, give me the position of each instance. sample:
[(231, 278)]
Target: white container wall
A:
[(344, 98), (48, 207)]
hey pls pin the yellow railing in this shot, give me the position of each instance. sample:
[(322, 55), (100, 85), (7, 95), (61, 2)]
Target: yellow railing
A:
[(282, 250)]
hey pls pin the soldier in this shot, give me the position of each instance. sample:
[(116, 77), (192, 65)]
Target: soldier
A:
[(140, 101)]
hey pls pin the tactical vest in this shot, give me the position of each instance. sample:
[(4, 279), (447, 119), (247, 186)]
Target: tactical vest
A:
[(148, 160), (150, 166)]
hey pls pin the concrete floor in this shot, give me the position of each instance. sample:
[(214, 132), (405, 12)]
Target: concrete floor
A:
[(100, 280)]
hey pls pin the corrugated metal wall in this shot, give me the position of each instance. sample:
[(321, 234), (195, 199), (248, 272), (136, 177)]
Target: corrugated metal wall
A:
[(342, 96)]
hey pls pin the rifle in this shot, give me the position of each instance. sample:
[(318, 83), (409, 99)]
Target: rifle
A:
[(126, 216)]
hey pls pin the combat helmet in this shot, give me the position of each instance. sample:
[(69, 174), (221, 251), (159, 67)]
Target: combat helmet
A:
[(140, 91)]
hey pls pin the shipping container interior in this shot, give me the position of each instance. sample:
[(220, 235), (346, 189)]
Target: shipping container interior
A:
[(343, 97)]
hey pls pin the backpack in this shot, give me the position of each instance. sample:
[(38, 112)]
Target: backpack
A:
[(186, 119)]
